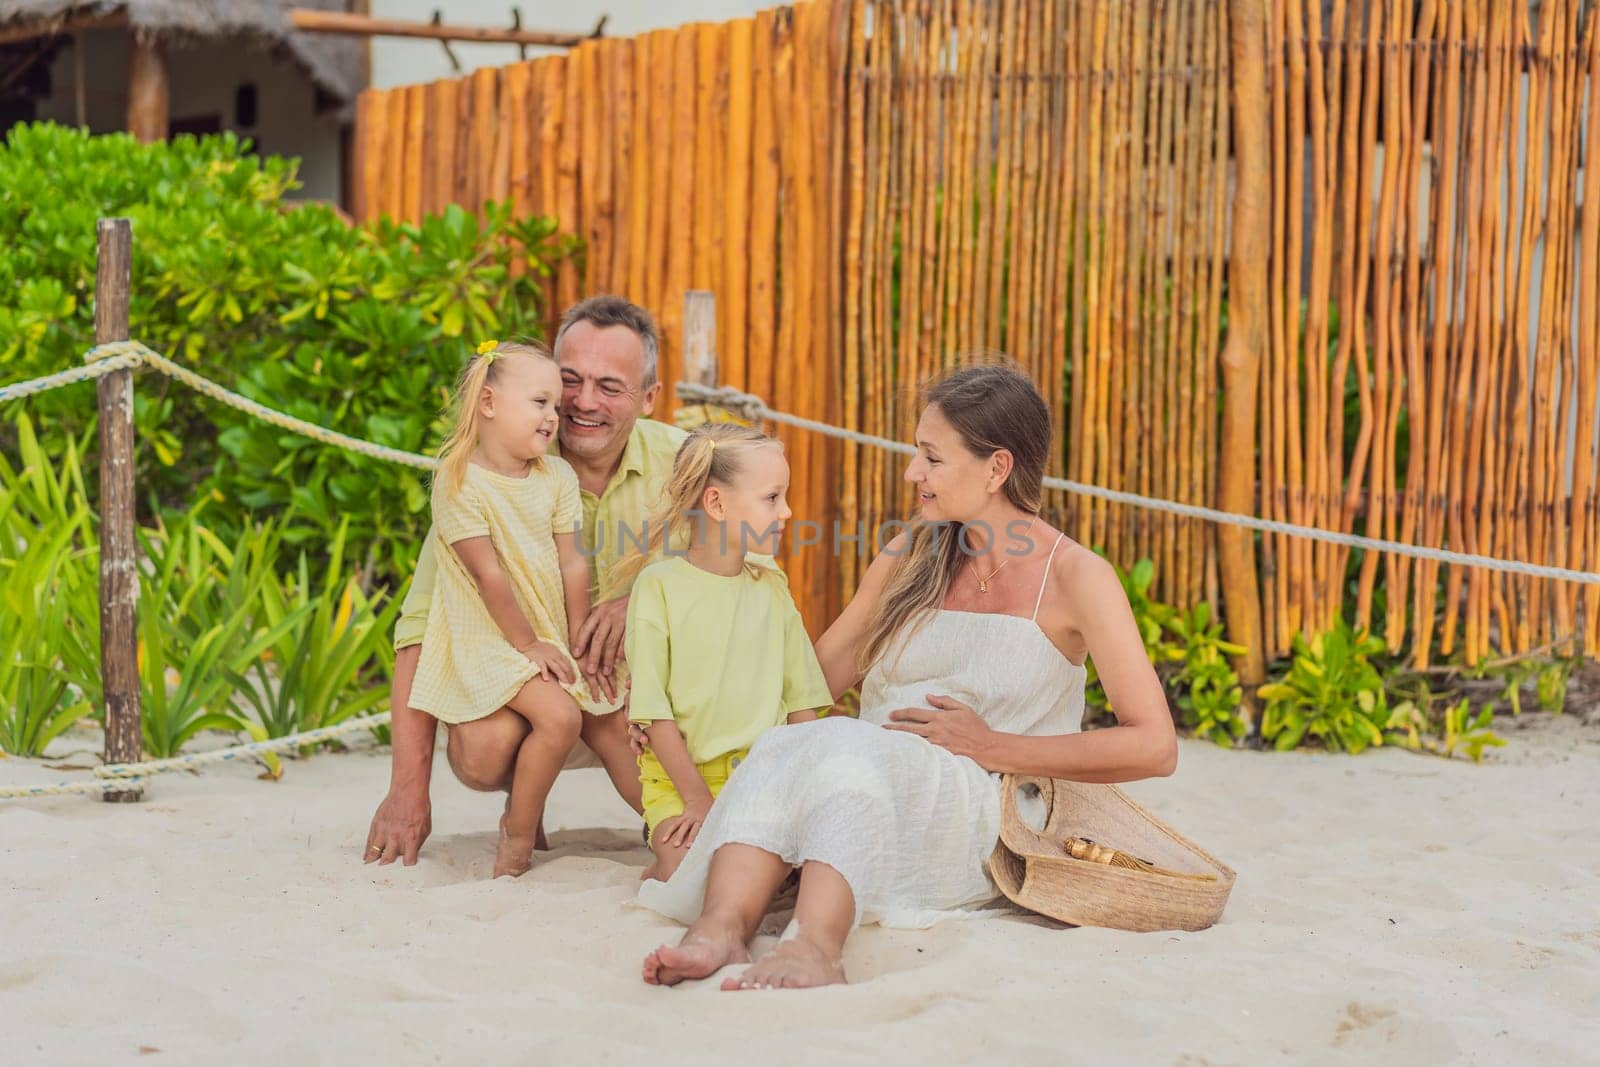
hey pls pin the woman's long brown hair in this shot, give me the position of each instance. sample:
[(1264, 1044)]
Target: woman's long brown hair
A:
[(992, 407)]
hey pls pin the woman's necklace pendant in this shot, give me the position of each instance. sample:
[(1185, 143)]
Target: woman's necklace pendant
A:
[(983, 586)]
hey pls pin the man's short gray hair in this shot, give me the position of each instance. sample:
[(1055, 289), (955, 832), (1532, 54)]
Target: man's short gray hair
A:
[(606, 310)]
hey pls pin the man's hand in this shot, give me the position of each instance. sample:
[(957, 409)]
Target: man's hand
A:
[(399, 827), (598, 648)]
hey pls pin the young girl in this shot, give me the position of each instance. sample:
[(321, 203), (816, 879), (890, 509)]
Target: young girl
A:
[(513, 589), (716, 647)]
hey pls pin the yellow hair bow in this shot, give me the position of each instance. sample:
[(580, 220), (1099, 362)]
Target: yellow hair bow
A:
[(486, 348)]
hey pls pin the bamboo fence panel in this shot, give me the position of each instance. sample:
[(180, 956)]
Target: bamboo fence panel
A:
[(877, 190), (1432, 363)]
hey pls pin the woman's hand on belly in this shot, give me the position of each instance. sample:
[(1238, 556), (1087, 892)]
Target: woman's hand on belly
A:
[(950, 724)]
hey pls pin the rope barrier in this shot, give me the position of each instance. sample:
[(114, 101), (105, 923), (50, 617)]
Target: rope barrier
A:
[(206, 387), (753, 407), (18, 390), (113, 776), (127, 355)]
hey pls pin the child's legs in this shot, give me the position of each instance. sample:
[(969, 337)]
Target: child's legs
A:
[(607, 735), (662, 802), (668, 857), (483, 753), (555, 721)]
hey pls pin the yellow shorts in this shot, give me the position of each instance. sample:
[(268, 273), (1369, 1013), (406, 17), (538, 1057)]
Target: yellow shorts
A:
[(660, 797)]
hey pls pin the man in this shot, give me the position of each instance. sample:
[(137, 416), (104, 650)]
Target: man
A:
[(607, 350)]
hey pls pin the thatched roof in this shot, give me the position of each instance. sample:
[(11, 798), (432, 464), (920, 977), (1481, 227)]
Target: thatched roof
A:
[(332, 62)]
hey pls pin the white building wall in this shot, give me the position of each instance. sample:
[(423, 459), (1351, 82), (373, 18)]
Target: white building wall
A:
[(204, 79)]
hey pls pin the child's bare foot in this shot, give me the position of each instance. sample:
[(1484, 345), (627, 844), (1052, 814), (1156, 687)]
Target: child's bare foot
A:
[(514, 856), (793, 964), (707, 947), (540, 843)]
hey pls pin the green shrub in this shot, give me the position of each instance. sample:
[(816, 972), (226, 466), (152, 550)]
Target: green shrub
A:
[(48, 570), (1209, 695), (356, 328), (1332, 693), (224, 640), (1190, 657), (331, 663)]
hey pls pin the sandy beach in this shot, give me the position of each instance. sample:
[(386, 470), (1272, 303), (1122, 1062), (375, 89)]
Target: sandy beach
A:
[(1390, 908)]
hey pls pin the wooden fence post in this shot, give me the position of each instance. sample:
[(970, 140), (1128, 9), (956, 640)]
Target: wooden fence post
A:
[(119, 576), (1247, 338), (700, 337)]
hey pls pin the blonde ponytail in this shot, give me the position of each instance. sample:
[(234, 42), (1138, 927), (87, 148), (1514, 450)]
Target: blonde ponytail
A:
[(713, 454)]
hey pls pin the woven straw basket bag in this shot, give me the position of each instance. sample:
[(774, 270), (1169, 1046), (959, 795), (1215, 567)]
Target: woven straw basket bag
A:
[(1102, 860)]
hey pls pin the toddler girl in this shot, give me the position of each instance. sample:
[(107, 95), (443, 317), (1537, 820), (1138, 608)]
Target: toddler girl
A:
[(513, 589)]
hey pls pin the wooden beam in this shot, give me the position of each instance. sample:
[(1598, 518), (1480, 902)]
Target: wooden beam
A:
[(119, 574), (307, 20), (28, 31), (149, 91)]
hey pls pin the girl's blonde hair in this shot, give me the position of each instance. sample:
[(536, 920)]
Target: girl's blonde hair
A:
[(992, 407), (713, 454), (482, 371)]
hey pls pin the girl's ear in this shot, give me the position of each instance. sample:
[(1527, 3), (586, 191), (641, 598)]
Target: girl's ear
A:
[(712, 503), (1000, 465), (486, 402)]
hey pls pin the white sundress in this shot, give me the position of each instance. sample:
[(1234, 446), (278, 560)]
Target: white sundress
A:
[(908, 824)]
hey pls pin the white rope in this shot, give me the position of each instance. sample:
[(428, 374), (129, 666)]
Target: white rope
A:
[(99, 369), (115, 776), (753, 407), (62, 789), (156, 361), (117, 355)]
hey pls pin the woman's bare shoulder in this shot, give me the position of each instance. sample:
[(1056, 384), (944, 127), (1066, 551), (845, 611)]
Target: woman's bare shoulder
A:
[(1081, 585)]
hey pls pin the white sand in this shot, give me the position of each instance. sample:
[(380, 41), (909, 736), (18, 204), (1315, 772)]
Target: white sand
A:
[(1390, 908)]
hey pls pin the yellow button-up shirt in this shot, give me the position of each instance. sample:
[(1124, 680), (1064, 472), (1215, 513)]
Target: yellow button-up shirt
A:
[(627, 503)]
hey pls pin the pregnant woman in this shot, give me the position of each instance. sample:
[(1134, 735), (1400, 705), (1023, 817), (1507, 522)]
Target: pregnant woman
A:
[(969, 637)]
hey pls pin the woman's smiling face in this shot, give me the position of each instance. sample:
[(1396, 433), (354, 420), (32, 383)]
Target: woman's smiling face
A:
[(952, 483)]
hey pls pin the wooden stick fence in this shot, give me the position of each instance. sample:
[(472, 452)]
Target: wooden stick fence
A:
[(874, 189)]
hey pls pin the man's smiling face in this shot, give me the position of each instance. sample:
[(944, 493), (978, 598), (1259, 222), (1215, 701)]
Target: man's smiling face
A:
[(602, 389)]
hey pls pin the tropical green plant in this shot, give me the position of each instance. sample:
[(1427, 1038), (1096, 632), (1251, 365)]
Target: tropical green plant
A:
[(36, 702), (1152, 616), (1332, 693), (361, 329), (1209, 694), (1190, 656), (1410, 727), (333, 663), (193, 647), (47, 564)]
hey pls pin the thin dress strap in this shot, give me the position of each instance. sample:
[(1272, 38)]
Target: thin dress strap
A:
[(1046, 578)]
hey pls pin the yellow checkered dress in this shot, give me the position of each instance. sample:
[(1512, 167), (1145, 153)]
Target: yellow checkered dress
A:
[(468, 669)]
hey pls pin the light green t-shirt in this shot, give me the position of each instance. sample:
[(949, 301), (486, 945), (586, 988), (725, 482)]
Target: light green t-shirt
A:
[(614, 521), (726, 658)]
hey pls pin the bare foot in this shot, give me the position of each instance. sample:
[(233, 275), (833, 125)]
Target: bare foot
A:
[(793, 964), (540, 843), (514, 856), (703, 951)]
